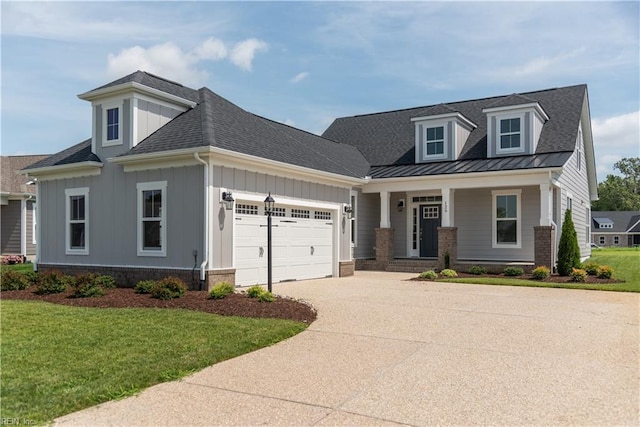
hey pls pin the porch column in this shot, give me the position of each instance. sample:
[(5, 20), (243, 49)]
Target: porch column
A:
[(385, 213), (544, 246), (447, 207), (546, 203), (447, 247)]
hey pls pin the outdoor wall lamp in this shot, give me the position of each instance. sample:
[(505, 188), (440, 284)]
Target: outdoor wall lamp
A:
[(227, 199), (400, 205), (348, 211)]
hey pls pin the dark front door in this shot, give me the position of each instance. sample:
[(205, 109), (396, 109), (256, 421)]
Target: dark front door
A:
[(429, 223)]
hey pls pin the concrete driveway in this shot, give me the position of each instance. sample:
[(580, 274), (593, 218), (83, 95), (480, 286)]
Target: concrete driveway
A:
[(385, 351)]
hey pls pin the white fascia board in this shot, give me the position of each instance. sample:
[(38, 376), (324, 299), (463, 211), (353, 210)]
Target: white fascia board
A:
[(518, 107), (460, 181), (589, 153), (126, 87), (457, 116), (72, 170), (159, 160), (222, 157), (17, 196)]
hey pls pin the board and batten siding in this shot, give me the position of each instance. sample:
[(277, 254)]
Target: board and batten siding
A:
[(574, 183), (31, 247), (474, 219), (240, 180), (367, 220), (151, 117), (112, 215), (10, 227)]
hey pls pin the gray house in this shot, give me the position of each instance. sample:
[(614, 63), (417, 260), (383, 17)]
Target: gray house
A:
[(17, 207), (616, 228), (172, 181)]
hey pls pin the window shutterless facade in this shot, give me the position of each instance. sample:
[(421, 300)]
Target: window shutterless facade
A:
[(112, 124), (152, 218), (434, 142), (507, 223), (510, 134), (77, 221)]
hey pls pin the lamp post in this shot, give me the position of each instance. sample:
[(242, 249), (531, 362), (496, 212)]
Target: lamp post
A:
[(268, 210)]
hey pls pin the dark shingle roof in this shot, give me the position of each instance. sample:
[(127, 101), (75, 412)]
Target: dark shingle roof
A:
[(12, 181), (389, 138), (623, 221), (155, 82), (219, 123), (78, 153)]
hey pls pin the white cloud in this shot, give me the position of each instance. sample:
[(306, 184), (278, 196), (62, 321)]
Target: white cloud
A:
[(242, 53), (170, 61), (614, 138), (299, 77)]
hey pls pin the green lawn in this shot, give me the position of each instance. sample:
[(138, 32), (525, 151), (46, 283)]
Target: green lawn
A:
[(625, 262), (59, 359), (23, 268)]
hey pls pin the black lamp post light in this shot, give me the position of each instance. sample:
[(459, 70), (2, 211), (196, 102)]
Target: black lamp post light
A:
[(268, 211), (227, 200)]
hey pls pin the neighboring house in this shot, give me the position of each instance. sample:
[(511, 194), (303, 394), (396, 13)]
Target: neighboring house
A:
[(17, 206), (616, 228), (144, 196)]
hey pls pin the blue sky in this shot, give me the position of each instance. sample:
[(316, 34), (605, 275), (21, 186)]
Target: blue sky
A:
[(306, 63)]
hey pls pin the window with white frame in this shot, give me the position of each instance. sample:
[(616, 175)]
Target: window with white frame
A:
[(510, 135), (434, 142), (616, 240), (601, 240), (77, 221), (112, 124), (507, 223), (152, 218)]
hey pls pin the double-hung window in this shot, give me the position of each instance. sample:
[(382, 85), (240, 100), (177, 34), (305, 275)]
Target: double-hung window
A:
[(152, 218), (510, 136), (507, 220), (434, 142), (112, 124), (77, 221)]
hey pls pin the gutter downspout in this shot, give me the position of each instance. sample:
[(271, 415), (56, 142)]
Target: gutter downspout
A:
[(205, 253)]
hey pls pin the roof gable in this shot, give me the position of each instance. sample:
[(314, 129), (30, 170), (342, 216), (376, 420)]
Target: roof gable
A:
[(12, 181)]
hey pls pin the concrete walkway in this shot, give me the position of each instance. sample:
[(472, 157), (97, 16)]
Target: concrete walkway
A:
[(385, 351)]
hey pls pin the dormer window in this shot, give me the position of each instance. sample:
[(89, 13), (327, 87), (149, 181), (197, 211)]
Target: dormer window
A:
[(112, 124), (434, 142), (510, 134)]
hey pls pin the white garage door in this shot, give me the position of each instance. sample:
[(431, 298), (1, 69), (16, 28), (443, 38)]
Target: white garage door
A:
[(301, 238)]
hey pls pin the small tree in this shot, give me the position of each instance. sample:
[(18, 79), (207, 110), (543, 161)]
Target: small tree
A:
[(568, 249)]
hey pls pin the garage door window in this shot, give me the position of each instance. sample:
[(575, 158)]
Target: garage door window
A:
[(246, 209), (300, 213), (322, 215)]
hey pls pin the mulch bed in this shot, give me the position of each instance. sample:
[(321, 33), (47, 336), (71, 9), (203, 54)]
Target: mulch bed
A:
[(238, 304), (552, 279)]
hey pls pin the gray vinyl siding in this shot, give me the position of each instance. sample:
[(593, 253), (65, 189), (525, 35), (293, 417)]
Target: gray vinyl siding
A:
[(10, 227), (474, 217), (367, 220), (112, 215), (241, 180), (31, 248), (575, 182), (152, 117), (399, 225)]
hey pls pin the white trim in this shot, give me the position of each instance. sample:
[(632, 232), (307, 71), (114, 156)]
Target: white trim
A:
[(518, 194), (207, 218), (456, 116), (23, 227), (160, 102), (73, 170), (445, 140), (34, 224), (155, 267), (119, 105), (149, 186), (126, 87), (353, 200), (38, 240), (70, 192), (385, 209), (518, 108), (133, 117)]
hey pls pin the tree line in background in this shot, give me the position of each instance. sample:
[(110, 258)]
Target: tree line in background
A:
[(620, 193)]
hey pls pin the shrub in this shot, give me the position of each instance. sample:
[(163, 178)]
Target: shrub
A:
[(568, 249), (605, 272), (477, 269), (541, 273), (221, 290), (255, 291), (169, 288), (578, 275), (513, 271), (447, 272), (429, 274), (14, 280), (591, 268), (53, 282), (32, 276), (85, 286), (266, 296), (144, 286), (447, 260), (105, 282)]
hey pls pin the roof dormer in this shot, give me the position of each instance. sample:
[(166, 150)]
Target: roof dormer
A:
[(441, 134), (514, 124)]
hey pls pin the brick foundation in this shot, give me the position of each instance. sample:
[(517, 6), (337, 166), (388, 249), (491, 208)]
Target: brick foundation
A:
[(544, 247), (384, 246), (447, 243), (347, 268), (222, 275)]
